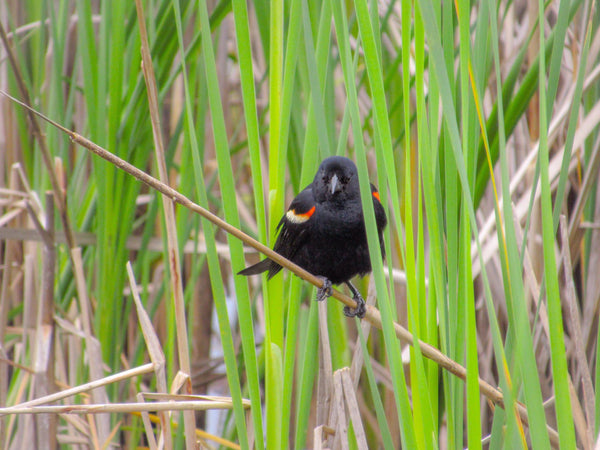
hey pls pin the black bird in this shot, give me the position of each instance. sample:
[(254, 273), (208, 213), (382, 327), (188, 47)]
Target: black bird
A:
[(323, 231)]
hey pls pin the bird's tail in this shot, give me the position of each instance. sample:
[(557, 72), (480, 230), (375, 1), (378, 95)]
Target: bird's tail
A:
[(257, 268)]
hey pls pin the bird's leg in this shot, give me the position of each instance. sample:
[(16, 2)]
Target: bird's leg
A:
[(324, 291), (360, 309)]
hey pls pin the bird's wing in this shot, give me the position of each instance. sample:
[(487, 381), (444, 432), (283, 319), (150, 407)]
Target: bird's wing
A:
[(293, 229), (296, 224)]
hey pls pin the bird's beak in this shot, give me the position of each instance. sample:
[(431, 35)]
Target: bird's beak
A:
[(334, 184)]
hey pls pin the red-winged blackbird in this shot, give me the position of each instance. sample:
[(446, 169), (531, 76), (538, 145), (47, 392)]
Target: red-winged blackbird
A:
[(323, 231)]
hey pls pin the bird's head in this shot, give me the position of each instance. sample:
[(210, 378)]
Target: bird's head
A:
[(336, 180)]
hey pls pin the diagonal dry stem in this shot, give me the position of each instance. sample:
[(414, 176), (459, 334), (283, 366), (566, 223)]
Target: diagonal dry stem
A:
[(373, 315)]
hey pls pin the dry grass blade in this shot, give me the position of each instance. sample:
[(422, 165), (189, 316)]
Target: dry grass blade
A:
[(113, 408), (92, 345), (587, 434), (156, 355), (18, 173), (152, 342), (44, 344), (357, 364), (350, 396), (373, 315), (181, 397), (111, 436), (148, 425), (203, 435), (9, 216), (325, 381), (45, 425), (320, 433), (590, 180), (579, 418), (178, 382), (126, 374), (358, 357), (591, 295), (30, 307), (341, 426)]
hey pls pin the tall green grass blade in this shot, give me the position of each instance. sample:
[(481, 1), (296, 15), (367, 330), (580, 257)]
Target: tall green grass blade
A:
[(315, 85), (465, 287), (564, 415), (428, 172), (306, 376), (421, 401), (392, 347), (295, 285), (274, 295), (227, 184), (213, 259), (523, 342)]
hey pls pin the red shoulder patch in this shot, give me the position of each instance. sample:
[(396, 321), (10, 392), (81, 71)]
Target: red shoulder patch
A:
[(376, 195), (294, 217)]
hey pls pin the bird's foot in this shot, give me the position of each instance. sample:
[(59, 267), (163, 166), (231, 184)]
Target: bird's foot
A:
[(324, 291), (361, 306), (359, 311)]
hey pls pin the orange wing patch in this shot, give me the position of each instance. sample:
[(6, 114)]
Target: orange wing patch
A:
[(376, 195), (299, 218)]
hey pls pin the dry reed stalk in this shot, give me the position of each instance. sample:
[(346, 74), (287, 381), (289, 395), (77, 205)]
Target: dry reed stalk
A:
[(353, 410), (95, 384), (114, 408), (585, 429), (325, 376), (175, 278), (340, 439), (171, 230), (156, 356)]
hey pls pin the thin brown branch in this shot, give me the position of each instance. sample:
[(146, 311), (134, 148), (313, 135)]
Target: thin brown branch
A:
[(373, 315)]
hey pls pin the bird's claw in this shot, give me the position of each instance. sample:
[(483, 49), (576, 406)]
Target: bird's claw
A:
[(361, 306), (360, 310), (324, 291)]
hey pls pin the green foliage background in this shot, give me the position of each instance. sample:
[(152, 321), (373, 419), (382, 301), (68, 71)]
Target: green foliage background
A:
[(253, 95)]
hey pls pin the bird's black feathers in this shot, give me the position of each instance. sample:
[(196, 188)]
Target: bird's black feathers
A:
[(323, 230)]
